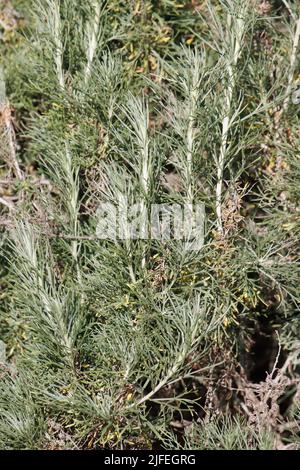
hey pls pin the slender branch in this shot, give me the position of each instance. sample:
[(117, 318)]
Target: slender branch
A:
[(6, 203), (288, 93), (58, 52), (6, 123), (67, 161), (145, 177), (187, 345), (92, 39), (288, 6), (73, 237), (11, 137), (292, 65), (190, 137), (167, 377), (226, 123)]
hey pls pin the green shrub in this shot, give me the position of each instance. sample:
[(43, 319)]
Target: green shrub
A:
[(126, 343)]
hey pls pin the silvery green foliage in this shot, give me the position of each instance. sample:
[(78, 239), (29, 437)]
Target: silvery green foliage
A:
[(119, 334)]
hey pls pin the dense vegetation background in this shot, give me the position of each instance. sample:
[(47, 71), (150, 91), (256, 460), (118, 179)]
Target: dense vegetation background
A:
[(142, 344)]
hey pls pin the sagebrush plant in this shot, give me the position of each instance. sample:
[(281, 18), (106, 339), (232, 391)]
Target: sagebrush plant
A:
[(143, 343)]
